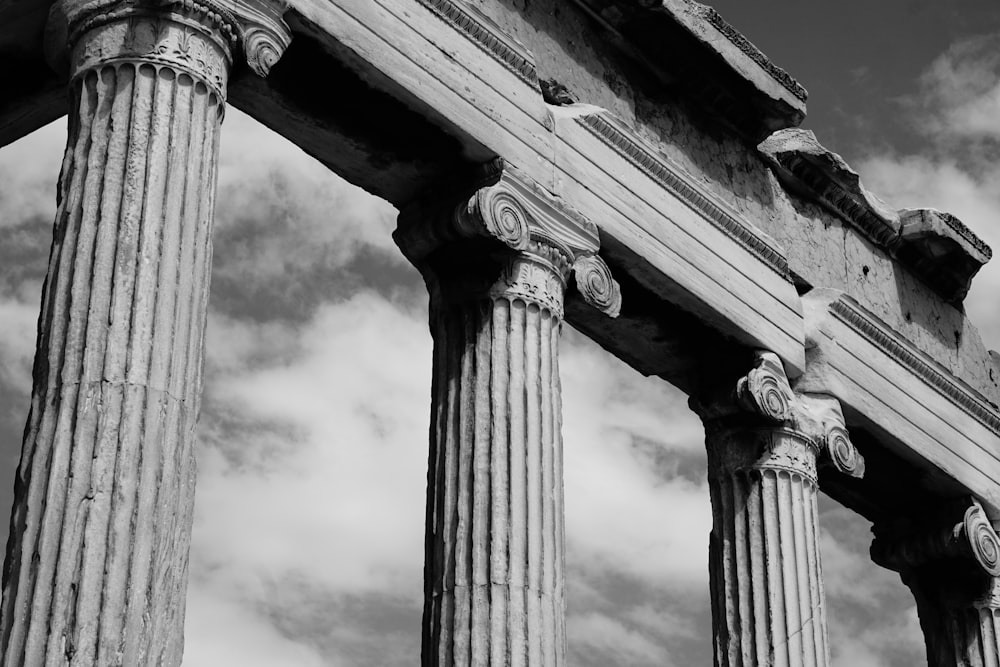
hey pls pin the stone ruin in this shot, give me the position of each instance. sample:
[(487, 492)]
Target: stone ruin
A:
[(631, 167)]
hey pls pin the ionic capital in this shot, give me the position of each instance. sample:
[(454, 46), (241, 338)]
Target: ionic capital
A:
[(202, 37), (969, 537), (534, 239), (764, 400)]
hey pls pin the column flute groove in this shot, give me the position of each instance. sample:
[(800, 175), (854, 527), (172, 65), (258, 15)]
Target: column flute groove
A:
[(494, 580), (764, 444), (96, 566)]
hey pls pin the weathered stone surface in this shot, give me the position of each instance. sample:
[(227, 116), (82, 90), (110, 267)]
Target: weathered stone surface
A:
[(942, 250), (686, 43), (96, 568), (640, 113), (812, 171), (497, 265), (764, 442), (917, 407)]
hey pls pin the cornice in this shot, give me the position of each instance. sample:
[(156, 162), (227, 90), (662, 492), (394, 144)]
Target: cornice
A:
[(671, 177), (959, 227), (808, 168), (746, 46), (897, 347), (484, 33), (940, 250)]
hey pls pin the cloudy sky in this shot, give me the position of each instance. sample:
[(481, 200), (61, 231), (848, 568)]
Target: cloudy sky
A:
[(309, 528)]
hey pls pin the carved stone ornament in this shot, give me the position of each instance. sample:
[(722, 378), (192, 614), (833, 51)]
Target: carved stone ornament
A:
[(200, 37), (509, 208), (765, 397), (765, 389), (971, 538)]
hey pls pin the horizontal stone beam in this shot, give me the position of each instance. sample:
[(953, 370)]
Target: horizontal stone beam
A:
[(696, 251), (914, 406)]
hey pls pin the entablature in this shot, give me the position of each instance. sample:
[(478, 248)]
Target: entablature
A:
[(936, 246), (915, 407)]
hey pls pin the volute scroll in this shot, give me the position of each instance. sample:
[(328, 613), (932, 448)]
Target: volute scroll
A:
[(523, 220), (764, 398), (162, 31)]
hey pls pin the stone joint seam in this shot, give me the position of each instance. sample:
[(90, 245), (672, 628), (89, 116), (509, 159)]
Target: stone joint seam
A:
[(668, 177), (58, 386), (892, 343)]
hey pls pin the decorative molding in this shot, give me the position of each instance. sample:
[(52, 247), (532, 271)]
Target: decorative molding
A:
[(174, 33), (941, 250), (822, 417), (763, 401), (518, 214), (746, 46), (159, 42), (765, 389), (597, 285), (485, 34), (536, 275), (263, 33), (808, 168), (895, 345), (842, 453), (967, 234), (671, 177)]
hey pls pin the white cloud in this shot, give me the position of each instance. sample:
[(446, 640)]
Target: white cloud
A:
[(17, 342), (612, 643), (28, 173), (220, 631), (960, 95), (958, 111)]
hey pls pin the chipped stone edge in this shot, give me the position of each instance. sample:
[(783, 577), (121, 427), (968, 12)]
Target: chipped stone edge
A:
[(899, 348), (962, 230), (740, 41), (853, 208), (484, 33), (623, 141)]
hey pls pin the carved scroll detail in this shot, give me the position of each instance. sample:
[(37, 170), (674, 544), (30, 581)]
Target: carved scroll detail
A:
[(765, 389), (521, 216), (765, 395), (842, 454), (170, 32), (498, 213), (596, 284)]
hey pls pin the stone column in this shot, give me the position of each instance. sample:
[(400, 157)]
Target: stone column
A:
[(96, 565), (764, 444), (497, 267), (950, 560)]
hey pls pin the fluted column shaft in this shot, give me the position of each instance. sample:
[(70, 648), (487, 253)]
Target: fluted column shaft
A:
[(96, 566), (496, 255), (768, 606), (764, 443), (494, 559), (957, 634)]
